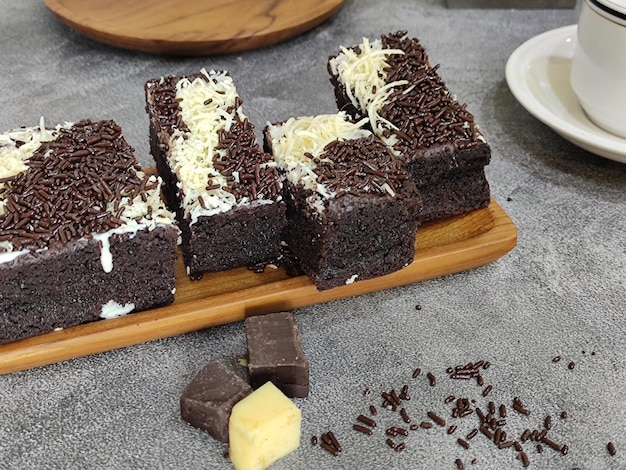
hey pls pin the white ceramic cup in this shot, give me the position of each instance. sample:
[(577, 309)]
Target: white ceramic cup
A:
[(598, 75)]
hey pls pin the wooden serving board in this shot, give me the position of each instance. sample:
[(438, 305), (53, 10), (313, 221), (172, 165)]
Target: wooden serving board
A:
[(443, 247), (192, 27)]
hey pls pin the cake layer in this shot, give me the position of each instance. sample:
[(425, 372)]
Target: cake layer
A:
[(83, 232), (455, 195), (225, 190), (352, 209)]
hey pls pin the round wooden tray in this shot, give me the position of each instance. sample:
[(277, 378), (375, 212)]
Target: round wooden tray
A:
[(192, 27)]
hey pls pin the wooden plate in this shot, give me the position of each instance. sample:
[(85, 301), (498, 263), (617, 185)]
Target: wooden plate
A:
[(192, 27), (442, 247)]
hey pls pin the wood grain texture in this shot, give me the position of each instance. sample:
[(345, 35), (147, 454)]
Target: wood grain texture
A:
[(188, 27), (443, 247)]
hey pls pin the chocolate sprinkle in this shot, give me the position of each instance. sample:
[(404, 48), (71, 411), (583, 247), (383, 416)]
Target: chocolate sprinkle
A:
[(69, 182), (255, 179), (611, 448), (360, 166), (423, 110)]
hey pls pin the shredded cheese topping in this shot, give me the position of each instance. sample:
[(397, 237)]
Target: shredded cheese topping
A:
[(365, 79), (297, 142), (206, 108)]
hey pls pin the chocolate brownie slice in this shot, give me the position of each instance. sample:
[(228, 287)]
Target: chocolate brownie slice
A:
[(83, 232), (225, 190), (391, 82), (352, 209)]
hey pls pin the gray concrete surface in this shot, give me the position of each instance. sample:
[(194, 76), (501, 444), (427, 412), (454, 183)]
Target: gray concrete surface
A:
[(561, 291)]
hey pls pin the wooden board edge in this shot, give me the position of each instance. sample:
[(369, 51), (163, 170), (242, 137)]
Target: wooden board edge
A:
[(230, 307)]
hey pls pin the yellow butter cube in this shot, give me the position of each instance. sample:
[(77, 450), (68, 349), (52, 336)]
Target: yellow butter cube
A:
[(263, 427)]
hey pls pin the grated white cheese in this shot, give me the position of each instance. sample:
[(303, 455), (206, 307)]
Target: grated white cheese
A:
[(298, 141), (365, 79), (112, 309), (204, 108)]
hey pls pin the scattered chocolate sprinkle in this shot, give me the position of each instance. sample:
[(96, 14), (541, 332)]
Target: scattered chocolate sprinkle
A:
[(556, 358), (373, 410), (431, 379), (329, 448), (503, 411), (414, 427), (314, 440), (487, 391), (547, 422), (565, 449), (524, 458), (405, 416), (463, 443), (426, 425), (459, 464), (519, 407), (539, 448), (452, 428), (550, 443), (437, 419), (486, 432), (400, 447), (365, 420), (418, 307), (401, 431), (472, 434), (416, 372), (571, 365), (611, 448), (390, 443), (334, 440), (450, 399), (563, 414), (363, 429)]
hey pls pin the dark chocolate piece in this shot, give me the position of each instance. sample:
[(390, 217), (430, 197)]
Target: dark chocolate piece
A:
[(275, 354), (206, 403)]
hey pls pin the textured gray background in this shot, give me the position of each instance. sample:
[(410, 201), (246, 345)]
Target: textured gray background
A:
[(561, 291)]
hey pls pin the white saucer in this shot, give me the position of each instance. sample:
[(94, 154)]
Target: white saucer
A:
[(538, 75)]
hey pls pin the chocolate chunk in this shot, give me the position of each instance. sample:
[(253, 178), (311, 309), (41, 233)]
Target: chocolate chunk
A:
[(207, 401), (275, 354)]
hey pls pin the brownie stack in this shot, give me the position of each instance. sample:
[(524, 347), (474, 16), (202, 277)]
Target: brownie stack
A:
[(391, 82)]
